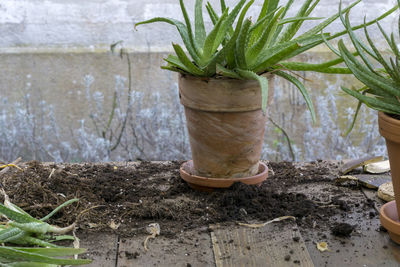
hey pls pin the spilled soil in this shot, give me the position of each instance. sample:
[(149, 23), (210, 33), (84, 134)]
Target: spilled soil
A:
[(124, 197)]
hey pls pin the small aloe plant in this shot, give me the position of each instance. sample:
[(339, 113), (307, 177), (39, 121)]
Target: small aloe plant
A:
[(381, 90), (23, 229), (249, 49)]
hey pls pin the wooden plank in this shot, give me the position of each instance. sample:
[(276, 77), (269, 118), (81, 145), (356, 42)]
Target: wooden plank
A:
[(191, 248), (271, 245), (373, 195), (392, 249), (373, 181), (367, 246), (101, 248)]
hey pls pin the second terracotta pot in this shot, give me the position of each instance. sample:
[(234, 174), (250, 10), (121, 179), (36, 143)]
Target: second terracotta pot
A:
[(225, 124), (390, 129)]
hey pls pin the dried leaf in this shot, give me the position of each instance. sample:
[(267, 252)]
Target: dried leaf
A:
[(114, 225), (353, 164), (386, 192), (378, 167), (322, 246)]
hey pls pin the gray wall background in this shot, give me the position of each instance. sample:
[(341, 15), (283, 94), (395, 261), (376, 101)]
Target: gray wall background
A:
[(92, 23), (59, 80)]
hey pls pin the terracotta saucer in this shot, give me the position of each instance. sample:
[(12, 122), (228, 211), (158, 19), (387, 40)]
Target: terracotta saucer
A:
[(390, 220), (208, 184)]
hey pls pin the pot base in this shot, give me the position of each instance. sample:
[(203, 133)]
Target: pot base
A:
[(390, 220), (209, 184)]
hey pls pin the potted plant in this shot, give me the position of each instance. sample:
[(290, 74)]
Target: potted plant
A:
[(380, 91), (225, 81)]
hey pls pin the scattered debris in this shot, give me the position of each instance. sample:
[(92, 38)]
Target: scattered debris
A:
[(76, 243), (53, 170), (314, 224), (114, 225), (366, 180), (266, 223), (154, 230), (342, 229), (93, 225), (377, 167), (131, 256), (322, 246), (354, 164), (347, 181), (386, 192)]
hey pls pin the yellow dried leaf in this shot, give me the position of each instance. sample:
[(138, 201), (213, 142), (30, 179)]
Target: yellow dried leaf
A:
[(322, 246)]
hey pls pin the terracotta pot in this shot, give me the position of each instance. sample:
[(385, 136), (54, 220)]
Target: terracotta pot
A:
[(390, 220), (208, 184), (390, 129), (225, 124)]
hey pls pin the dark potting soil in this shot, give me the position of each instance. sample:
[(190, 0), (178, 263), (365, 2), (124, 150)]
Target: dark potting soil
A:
[(342, 229), (395, 116), (136, 194)]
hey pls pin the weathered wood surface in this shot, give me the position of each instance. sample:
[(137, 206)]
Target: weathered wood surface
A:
[(373, 181), (186, 249), (268, 246), (373, 195), (367, 246), (101, 248), (392, 250), (271, 245)]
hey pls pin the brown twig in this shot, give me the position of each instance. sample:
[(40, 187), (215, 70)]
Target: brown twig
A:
[(286, 137), (128, 109)]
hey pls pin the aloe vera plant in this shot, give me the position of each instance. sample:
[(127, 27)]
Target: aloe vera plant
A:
[(381, 85), (23, 229), (239, 48)]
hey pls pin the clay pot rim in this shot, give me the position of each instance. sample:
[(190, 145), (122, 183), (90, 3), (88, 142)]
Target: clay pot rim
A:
[(208, 182), (219, 77), (390, 224), (388, 118)]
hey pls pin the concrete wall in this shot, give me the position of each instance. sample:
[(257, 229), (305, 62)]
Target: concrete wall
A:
[(47, 48), (89, 23)]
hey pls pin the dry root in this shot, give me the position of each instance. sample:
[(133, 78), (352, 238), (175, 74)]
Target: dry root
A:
[(266, 223), (154, 230)]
